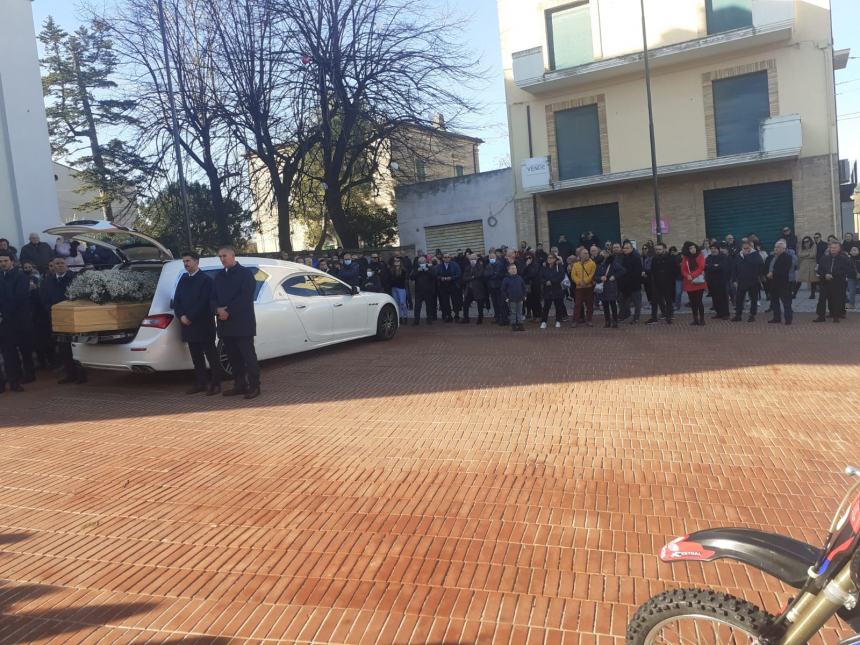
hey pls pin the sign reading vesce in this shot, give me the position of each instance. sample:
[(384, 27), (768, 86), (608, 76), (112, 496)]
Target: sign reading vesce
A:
[(535, 173)]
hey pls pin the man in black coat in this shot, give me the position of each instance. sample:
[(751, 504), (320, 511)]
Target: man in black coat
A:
[(15, 324), (494, 274), (37, 252), (425, 289), (662, 276), (630, 284), (235, 288), (351, 271), (53, 291), (777, 271), (448, 284), (747, 279), (717, 272), (474, 289), (192, 304), (833, 270)]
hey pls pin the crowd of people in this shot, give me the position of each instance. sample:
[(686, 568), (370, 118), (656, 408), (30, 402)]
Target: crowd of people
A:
[(511, 285), (522, 284)]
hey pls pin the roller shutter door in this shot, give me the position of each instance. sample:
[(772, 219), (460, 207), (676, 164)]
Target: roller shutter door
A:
[(450, 237), (763, 209), (603, 220)]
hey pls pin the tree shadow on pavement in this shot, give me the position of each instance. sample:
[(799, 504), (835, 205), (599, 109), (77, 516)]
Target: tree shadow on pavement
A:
[(28, 626)]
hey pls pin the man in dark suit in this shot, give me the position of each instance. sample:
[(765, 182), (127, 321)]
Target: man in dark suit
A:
[(234, 305), (778, 269), (447, 283), (15, 324), (51, 292), (192, 304)]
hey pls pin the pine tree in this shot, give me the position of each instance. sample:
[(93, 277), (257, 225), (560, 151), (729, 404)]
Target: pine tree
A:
[(82, 109)]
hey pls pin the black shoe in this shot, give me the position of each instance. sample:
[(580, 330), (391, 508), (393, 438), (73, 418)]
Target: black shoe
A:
[(607, 324), (812, 297), (416, 323), (695, 323), (213, 389), (836, 319), (234, 391), (520, 328), (66, 380), (429, 322), (463, 321), (787, 322), (197, 389), (668, 321), (773, 321), (716, 317), (652, 321), (16, 387), (253, 393), (30, 378), (702, 322), (751, 319), (480, 321), (820, 319), (737, 319), (615, 324)]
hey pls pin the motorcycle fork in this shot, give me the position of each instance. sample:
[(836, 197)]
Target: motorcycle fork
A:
[(811, 612)]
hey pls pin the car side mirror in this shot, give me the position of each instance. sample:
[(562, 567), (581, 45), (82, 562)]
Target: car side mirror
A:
[(356, 291)]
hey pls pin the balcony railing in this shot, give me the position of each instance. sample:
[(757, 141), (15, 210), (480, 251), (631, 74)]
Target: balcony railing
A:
[(773, 21)]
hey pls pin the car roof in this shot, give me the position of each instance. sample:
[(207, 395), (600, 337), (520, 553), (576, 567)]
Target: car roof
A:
[(209, 263)]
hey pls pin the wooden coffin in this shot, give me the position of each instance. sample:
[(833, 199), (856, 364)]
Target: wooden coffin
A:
[(83, 316)]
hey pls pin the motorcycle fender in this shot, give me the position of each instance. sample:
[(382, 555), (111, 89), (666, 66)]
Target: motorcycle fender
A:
[(780, 556)]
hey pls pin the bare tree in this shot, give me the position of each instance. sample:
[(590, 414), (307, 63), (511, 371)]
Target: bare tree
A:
[(377, 68), (265, 98), (205, 137)]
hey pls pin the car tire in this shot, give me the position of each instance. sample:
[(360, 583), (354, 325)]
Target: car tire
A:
[(387, 323), (224, 360)]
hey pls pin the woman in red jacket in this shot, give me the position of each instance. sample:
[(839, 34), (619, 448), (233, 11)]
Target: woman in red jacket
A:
[(693, 272)]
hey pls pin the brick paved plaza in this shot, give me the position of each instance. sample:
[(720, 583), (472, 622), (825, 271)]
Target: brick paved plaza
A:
[(455, 485)]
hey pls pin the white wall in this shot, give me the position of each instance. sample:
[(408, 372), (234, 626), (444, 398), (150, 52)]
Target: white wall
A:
[(28, 201), (460, 199)]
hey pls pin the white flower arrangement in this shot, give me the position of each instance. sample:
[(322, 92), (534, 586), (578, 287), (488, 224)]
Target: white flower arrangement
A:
[(113, 285)]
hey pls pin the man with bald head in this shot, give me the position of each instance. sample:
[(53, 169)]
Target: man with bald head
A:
[(234, 292), (37, 252)]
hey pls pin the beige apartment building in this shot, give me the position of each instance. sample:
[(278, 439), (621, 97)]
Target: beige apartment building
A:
[(417, 154), (744, 110)]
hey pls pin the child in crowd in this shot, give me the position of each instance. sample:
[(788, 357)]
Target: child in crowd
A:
[(514, 293)]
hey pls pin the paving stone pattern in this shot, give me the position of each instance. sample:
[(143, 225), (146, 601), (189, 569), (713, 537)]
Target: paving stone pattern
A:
[(456, 485)]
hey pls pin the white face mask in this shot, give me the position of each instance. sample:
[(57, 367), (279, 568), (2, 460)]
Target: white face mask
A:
[(369, 273), (473, 262)]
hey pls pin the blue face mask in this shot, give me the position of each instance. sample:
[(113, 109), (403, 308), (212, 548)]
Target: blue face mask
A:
[(492, 260), (423, 265), (347, 262)]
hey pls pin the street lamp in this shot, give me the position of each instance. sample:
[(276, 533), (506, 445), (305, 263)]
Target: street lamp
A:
[(180, 172), (659, 223)]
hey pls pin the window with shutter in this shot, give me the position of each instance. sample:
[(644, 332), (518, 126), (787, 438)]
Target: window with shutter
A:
[(741, 104), (569, 36), (725, 15), (577, 136)]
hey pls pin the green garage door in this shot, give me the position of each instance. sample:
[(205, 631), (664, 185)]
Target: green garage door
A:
[(763, 209), (602, 220)]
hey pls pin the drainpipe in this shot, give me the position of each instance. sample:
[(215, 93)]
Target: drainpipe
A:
[(531, 154)]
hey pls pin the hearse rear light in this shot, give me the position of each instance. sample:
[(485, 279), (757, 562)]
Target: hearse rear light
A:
[(159, 321)]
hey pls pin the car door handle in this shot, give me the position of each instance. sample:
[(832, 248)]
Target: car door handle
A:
[(339, 304), (301, 306)]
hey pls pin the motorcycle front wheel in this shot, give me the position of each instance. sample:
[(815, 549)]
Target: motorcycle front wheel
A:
[(697, 617)]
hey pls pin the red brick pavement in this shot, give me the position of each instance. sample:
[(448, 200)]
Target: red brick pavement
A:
[(454, 485)]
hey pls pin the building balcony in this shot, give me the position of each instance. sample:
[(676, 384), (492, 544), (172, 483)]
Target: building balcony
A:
[(773, 22), (780, 138)]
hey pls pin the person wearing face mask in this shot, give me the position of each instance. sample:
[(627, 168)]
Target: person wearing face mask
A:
[(425, 290), (494, 273), (448, 284), (372, 282), (551, 277), (474, 289), (399, 280), (531, 275), (351, 271)]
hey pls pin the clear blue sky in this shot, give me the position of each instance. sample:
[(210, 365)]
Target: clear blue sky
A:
[(481, 33)]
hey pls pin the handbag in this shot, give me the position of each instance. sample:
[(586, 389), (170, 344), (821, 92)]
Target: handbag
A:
[(598, 288), (699, 279), (565, 284)]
